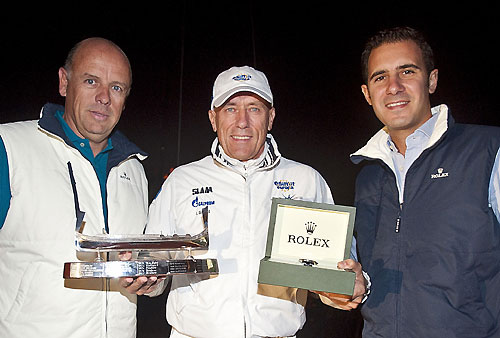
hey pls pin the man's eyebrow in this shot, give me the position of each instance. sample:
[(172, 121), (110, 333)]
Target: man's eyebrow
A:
[(408, 65), (377, 73), (383, 71), (90, 75), (121, 84)]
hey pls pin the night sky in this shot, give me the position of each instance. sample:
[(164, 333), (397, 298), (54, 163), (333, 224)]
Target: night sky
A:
[(310, 53)]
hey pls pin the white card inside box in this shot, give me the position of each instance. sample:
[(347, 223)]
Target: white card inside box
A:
[(309, 233)]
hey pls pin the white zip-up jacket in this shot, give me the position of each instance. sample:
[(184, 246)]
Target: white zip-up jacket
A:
[(38, 235), (238, 195)]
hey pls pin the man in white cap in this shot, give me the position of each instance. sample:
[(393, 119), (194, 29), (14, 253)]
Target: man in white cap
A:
[(237, 181)]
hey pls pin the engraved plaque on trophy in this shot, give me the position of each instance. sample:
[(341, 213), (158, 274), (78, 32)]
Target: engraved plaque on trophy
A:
[(305, 242), (145, 246)]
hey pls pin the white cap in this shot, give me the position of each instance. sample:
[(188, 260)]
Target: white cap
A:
[(240, 79)]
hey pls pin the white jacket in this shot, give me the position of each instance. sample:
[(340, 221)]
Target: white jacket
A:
[(238, 195), (38, 237)]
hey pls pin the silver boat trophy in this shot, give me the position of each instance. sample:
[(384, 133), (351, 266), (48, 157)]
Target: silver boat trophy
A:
[(144, 245)]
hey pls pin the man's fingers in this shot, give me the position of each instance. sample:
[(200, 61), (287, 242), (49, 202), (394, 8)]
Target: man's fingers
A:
[(126, 282), (139, 285), (125, 255), (147, 286), (343, 302), (350, 265), (336, 296)]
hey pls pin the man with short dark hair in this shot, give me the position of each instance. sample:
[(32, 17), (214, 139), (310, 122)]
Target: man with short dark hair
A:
[(427, 218)]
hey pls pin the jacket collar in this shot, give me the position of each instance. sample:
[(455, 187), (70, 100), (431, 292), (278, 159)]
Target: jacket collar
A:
[(267, 160), (376, 147), (122, 147)]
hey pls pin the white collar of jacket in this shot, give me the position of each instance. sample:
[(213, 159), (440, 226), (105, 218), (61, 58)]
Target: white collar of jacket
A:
[(267, 160), (376, 147), (123, 148)]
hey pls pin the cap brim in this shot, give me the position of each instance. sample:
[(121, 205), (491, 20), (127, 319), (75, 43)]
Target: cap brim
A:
[(219, 100)]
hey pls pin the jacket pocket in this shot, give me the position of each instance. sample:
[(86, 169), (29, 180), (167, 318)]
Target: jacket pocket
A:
[(27, 278)]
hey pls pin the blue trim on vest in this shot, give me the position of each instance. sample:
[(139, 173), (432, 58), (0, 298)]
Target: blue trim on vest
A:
[(5, 193), (99, 162)]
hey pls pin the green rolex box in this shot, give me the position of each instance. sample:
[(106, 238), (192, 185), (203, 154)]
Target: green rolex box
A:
[(305, 241)]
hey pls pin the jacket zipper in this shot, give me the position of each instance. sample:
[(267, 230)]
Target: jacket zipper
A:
[(398, 239), (398, 220)]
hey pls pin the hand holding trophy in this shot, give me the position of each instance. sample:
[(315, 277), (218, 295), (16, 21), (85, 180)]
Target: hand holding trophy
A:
[(142, 246)]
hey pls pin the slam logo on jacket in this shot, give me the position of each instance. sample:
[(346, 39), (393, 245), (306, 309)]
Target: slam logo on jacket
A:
[(308, 238), (202, 190)]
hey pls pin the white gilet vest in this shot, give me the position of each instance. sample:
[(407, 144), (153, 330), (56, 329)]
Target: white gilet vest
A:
[(38, 237)]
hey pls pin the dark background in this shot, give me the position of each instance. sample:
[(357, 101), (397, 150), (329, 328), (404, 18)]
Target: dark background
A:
[(309, 51)]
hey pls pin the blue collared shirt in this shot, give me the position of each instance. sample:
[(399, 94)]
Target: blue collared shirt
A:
[(415, 145), (99, 163)]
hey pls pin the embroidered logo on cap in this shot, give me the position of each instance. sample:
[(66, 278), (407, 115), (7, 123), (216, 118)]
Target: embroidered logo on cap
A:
[(242, 77)]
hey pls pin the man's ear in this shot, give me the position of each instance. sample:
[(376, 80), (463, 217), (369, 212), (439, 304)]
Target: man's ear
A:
[(272, 115), (63, 81), (211, 116), (366, 93), (433, 81)]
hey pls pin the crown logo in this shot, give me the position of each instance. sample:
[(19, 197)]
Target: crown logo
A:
[(310, 227), (440, 170)]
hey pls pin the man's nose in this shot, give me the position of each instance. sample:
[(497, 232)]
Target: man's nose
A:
[(395, 85), (103, 96)]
